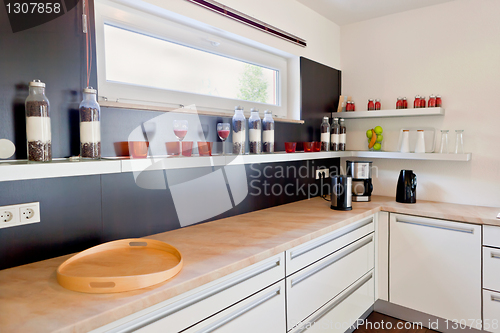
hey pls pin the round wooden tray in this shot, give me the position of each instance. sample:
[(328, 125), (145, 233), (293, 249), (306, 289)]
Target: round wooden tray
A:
[(121, 265)]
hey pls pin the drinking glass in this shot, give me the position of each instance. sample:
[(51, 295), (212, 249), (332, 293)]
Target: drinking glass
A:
[(180, 130), (459, 142), (223, 130), (444, 142)]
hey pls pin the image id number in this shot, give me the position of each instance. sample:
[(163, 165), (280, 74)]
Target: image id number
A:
[(33, 8), (487, 324)]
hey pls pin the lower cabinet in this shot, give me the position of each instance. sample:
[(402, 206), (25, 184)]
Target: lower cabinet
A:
[(435, 267), (263, 312), (491, 311), (342, 313)]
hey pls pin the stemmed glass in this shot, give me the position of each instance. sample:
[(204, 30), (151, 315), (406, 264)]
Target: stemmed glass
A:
[(180, 130), (223, 130)]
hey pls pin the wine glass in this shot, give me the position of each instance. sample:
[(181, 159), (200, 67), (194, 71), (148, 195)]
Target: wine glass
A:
[(180, 130), (223, 130)]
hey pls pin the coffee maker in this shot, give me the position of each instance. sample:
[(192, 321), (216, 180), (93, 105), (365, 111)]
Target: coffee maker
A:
[(361, 174)]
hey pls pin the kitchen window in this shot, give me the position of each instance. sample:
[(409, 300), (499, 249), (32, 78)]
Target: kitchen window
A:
[(148, 55)]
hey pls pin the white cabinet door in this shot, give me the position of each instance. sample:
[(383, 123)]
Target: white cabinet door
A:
[(338, 315), (263, 312), (435, 267), (491, 311), (312, 287)]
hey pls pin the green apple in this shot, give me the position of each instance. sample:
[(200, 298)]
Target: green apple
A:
[(369, 134), (378, 130), (380, 137), (377, 146)]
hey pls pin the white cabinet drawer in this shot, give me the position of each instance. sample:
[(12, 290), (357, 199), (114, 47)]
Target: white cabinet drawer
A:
[(491, 236), (343, 311), (491, 311), (491, 268), (435, 266), (263, 312), (312, 287), (312, 251), (196, 305)]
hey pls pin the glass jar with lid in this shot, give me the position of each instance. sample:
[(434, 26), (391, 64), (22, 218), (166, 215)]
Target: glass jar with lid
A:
[(90, 125), (239, 131), (38, 128), (325, 135), (268, 132), (254, 132)]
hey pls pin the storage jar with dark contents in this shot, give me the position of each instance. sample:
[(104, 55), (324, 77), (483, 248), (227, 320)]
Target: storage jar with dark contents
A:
[(90, 125), (254, 132), (325, 135), (239, 131), (38, 129), (342, 136), (268, 132)]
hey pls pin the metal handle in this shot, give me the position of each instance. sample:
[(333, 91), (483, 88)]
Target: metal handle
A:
[(161, 313), (495, 255), (495, 299), (437, 226), (315, 245), (223, 321), (331, 261), (332, 306)]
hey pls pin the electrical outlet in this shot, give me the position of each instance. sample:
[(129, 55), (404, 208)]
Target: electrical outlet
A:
[(15, 215), (322, 173)]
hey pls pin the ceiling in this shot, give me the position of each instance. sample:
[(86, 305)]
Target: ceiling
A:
[(345, 12)]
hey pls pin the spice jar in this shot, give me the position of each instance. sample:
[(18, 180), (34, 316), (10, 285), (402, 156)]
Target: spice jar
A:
[(422, 102), (399, 103), (405, 103), (239, 135), (335, 135), (90, 125), (325, 135), (342, 135), (377, 104), (439, 102), (371, 105), (38, 129), (254, 132), (353, 106), (268, 132), (348, 106), (416, 103), (432, 101)]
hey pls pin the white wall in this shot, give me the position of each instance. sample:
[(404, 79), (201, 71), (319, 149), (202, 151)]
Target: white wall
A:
[(452, 49), (322, 35)]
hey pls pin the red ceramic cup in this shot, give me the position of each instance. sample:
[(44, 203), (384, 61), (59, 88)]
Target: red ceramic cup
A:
[(290, 147), (187, 148), (173, 148), (204, 148), (308, 147), (138, 149), (317, 146), (121, 149)]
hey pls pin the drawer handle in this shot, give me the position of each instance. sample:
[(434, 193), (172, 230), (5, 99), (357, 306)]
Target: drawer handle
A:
[(161, 313), (332, 306), (223, 321), (495, 299), (304, 250), (437, 226), (331, 261), (495, 255)]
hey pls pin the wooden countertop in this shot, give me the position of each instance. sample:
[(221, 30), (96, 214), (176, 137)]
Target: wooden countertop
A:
[(31, 300)]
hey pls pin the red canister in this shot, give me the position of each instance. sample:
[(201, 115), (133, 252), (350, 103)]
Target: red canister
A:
[(377, 104), (416, 103), (405, 103), (422, 101), (371, 105), (439, 102), (399, 103), (432, 101)]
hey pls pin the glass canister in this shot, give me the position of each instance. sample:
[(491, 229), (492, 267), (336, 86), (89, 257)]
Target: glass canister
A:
[(38, 129), (342, 135), (90, 125), (459, 142), (420, 145), (325, 134), (268, 132), (335, 135), (443, 148), (254, 132), (239, 131)]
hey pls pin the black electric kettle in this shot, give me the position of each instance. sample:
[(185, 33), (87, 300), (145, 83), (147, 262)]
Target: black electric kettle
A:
[(406, 191)]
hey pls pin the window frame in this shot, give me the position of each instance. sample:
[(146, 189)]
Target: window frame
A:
[(163, 24)]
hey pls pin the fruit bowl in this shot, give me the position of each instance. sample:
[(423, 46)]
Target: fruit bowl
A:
[(375, 138)]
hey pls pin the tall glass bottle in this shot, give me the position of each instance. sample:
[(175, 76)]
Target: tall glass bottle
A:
[(325, 135), (239, 131), (90, 125), (268, 132), (38, 129), (342, 136), (335, 135), (254, 132)]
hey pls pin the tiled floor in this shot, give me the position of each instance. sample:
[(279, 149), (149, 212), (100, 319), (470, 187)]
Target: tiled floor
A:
[(377, 322)]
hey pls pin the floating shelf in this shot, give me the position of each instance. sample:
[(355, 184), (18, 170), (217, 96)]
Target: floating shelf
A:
[(391, 113), (144, 107), (413, 156)]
